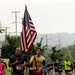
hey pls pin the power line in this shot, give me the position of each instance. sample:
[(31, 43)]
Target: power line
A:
[(16, 20)]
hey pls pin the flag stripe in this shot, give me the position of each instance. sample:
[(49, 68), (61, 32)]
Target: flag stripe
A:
[(31, 39), (23, 40), (29, 33)]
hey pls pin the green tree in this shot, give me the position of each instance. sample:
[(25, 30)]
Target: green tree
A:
[(9, 45), (70, 48), (56, 54), (39, 45), (11, 42), (68, 56), (35, 46)]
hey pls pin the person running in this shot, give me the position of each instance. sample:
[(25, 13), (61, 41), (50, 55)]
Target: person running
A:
[(38, 62), (74, 66), (45, 69), (50, 68), (60, 68), (56, 66), (68, 67), (18, 62)]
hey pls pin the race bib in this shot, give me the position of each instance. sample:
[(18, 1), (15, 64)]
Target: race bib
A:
[(19, 67)]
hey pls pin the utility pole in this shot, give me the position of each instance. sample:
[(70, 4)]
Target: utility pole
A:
[(6, 30), (59, 41), (17, 32), (16, 20), (46, 41)]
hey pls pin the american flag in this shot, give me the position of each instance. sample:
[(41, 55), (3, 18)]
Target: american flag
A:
[(28, 34)]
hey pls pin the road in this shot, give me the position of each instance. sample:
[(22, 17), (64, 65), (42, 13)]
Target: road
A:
[(64, 73)]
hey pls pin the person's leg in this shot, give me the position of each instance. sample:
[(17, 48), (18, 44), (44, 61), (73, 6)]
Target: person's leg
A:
[(60, 73), (30, 72), (48, 71), (70, 72), (51, 71), (41, 72), (66, 72), (74, 70)]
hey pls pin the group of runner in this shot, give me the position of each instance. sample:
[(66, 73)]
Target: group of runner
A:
[(18, 62), (55, 68), (60, 68), (37, 65)]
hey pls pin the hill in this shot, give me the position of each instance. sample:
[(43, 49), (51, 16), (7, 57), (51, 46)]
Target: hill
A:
[(57, 39)]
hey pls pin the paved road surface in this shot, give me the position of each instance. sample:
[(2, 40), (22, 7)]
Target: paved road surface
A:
[(64, 73)]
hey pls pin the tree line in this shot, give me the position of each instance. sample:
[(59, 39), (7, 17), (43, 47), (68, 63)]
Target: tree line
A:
[(11, 42)]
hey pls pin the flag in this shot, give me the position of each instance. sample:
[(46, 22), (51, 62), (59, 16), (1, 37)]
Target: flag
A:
[(28, 34)]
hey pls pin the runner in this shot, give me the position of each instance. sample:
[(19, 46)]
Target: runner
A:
[(50, 68), (67, 67), (38, 62), (56, 66), (17, 62), (60, 68), (45, 69), (74, 66)]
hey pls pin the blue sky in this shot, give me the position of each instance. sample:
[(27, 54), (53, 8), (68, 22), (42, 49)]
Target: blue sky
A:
[(49, 16)]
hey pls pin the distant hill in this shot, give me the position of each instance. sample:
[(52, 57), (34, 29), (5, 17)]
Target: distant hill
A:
[(57, 39)]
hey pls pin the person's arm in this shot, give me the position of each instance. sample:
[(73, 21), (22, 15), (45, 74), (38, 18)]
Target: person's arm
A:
[(4, 68), (11, 63), (43, 62), (5, 65), (25, 61), (31, 60)]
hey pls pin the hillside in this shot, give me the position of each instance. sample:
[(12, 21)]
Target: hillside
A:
[(57, 39)]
